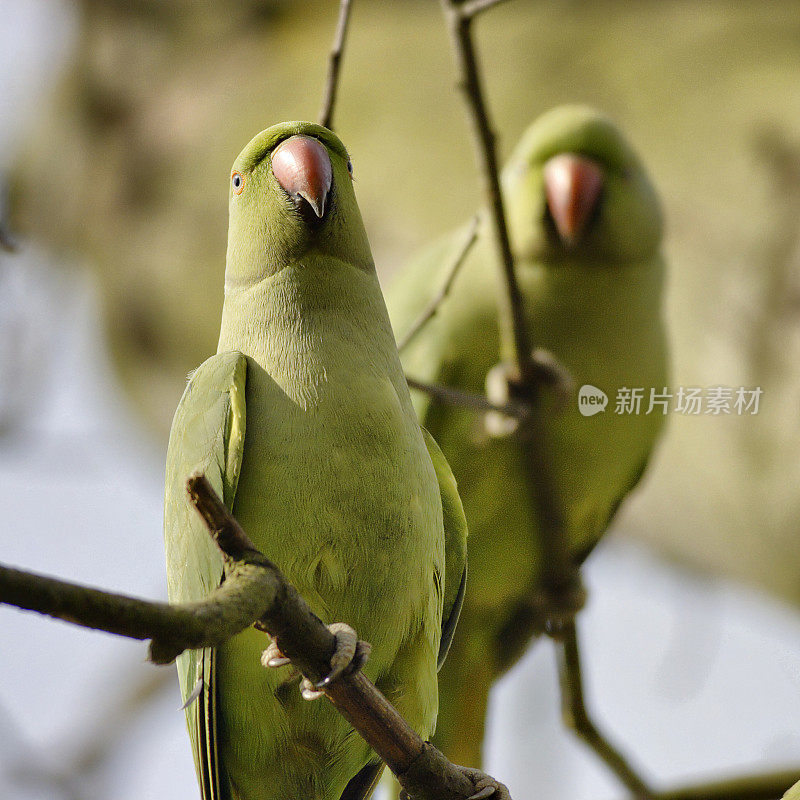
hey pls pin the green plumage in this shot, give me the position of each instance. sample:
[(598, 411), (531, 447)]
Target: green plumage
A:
[(304, 423), (596, 307)]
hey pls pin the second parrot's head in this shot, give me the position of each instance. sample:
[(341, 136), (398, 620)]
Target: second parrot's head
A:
[(291, 194), (575, 190)]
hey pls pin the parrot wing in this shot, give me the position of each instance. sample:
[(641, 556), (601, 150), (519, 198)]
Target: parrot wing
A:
[(581, 555), (455, 546), (208, 436)]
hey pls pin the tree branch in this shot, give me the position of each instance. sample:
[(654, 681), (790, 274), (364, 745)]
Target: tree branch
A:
[(477, 402), (513, 327), (254, 592), (301, 636), (522, 377), (471, 8), (334, 61), (767, 786), (173, 628), (559, 580), (7, 241), (576, 715), (430, 310)]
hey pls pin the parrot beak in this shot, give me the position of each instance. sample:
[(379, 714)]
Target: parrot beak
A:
[(572, 186), (302, 167)]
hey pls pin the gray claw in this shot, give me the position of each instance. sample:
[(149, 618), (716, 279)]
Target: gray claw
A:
[(486, 785), (350, 655), (272, 656)]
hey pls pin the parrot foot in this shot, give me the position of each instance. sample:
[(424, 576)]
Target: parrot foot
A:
[(499, 425), (485, 785), (550, 372), (502, 388), (351, 653), (272, 656)]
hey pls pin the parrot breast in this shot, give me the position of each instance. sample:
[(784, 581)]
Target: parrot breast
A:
[(337, 488)]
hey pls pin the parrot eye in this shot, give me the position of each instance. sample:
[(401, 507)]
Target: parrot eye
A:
[(237, 179), (350, 167)]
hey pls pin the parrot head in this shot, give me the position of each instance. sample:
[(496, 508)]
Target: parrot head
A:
[(291, 195), (575, 190)]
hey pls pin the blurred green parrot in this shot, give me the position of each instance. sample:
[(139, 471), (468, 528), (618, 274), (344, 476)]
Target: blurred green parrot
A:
[(585, 227), (303, 423)]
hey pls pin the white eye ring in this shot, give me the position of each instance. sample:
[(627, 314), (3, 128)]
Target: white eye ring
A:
[(237, 179), (350, 167)]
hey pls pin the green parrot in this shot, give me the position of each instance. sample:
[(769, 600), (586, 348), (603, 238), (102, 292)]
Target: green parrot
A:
[(303, 423), (585, 227)]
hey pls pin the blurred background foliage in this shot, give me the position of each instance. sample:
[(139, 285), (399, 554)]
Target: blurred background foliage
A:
[(126, 170)]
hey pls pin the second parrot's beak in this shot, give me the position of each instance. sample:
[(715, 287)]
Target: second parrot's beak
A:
[(572, 185), (302, 167)]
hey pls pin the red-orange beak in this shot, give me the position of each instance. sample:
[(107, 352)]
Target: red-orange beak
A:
[(572, 186), (302, 167)]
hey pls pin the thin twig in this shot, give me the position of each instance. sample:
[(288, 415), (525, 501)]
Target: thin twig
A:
[(334, 61), (576, 716), (513, 326), (432, 307), (523, 378), (477, 402), (767, 786), (7, 241), (471, 8), (559, 578)]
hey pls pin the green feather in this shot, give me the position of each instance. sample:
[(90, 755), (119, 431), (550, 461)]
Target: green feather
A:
[(208, 436), (455, 545)]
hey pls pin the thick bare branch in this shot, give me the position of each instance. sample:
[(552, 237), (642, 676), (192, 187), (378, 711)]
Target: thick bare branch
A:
[(430, 310), (172, 628), (334, 63), (301, 636), (254, 592)]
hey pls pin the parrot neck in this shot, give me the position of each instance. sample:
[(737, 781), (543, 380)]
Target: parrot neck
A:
[(310, 325)]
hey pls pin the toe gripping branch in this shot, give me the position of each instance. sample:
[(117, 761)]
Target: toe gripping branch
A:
[(349, 655)]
